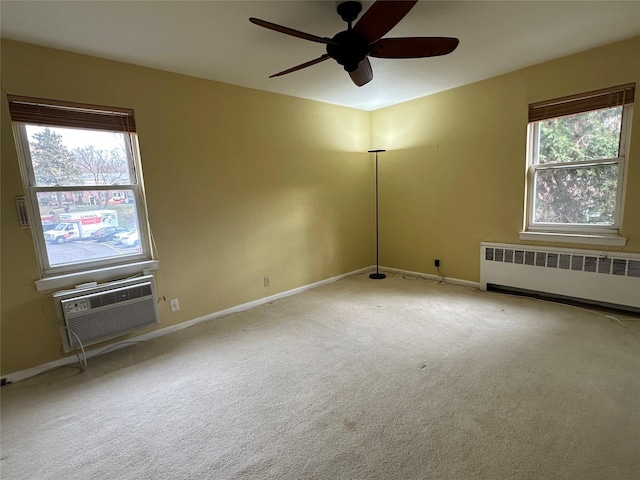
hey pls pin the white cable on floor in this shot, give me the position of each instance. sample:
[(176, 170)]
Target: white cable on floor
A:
[(442, 281)]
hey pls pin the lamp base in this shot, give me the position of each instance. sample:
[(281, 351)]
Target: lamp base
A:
[(377, 276)]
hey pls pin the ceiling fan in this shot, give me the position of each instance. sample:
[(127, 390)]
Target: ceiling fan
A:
[(351, 47)]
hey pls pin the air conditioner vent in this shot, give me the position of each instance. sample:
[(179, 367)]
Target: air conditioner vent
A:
[(121, 295)]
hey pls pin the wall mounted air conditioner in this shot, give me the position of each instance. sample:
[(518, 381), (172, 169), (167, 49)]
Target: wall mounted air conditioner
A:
[(102, 312)]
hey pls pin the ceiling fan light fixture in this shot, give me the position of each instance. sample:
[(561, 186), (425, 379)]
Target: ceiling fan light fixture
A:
[(363, 74)]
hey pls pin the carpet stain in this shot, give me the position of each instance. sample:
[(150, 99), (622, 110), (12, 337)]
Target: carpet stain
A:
[(349, 425)]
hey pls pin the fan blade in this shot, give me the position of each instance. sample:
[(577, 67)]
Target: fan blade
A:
[(363, 74), (381, 17), (413, 47), (301, 66), (291, 31)]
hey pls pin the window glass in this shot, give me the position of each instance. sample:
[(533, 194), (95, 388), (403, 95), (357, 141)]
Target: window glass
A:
[(75, 157), (88, 225), (579, 195), (582, 137)]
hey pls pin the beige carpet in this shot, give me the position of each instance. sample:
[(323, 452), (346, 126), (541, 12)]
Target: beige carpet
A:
[(359, 379)]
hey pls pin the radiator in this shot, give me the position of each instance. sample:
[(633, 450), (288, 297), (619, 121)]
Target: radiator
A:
[(595, 276), (92, 315)]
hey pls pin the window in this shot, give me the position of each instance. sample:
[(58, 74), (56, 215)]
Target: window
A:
[(81, 169), (577, 151)]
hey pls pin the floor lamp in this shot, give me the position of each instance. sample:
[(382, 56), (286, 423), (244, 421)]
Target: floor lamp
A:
[(377, 275)]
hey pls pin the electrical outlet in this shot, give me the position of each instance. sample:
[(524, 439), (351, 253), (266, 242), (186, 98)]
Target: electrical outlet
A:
[(436, 263), (175, 305), (267, 282)]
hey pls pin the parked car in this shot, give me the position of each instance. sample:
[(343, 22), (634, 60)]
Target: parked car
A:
[(131, 239), (119, 237), (120, 197), (105, 234)]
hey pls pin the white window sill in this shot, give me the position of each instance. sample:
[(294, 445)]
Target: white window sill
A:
[(97, 275), (586, 239)]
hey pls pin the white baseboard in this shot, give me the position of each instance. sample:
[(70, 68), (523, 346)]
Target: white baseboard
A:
[(30, 372)]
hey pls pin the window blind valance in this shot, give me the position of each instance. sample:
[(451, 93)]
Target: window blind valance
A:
[(67, 114), (583, 102)]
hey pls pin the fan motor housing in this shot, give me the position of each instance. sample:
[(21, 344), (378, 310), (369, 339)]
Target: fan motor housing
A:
[(350, 50)]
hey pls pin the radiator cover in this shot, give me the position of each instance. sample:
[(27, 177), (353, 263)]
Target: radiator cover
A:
[(93, 315), (597, 276)]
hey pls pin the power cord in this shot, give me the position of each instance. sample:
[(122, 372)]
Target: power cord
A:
[(82, 361), (416, 276), (588, 310), (119, 344), (442, 281)]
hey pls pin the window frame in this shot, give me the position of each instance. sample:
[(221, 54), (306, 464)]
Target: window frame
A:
[(69, 272), (578, 232)]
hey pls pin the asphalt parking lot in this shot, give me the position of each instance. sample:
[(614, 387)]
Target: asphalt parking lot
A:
[(82, 250)]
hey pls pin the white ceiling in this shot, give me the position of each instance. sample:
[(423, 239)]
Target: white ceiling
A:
[(216, 41)]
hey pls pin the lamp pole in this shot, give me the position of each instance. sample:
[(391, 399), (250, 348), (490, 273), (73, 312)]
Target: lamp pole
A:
[(377, 275)]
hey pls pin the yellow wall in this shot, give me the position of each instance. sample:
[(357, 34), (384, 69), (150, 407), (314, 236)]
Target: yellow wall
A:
[(457, 173), (240, 184), (243, 184)]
